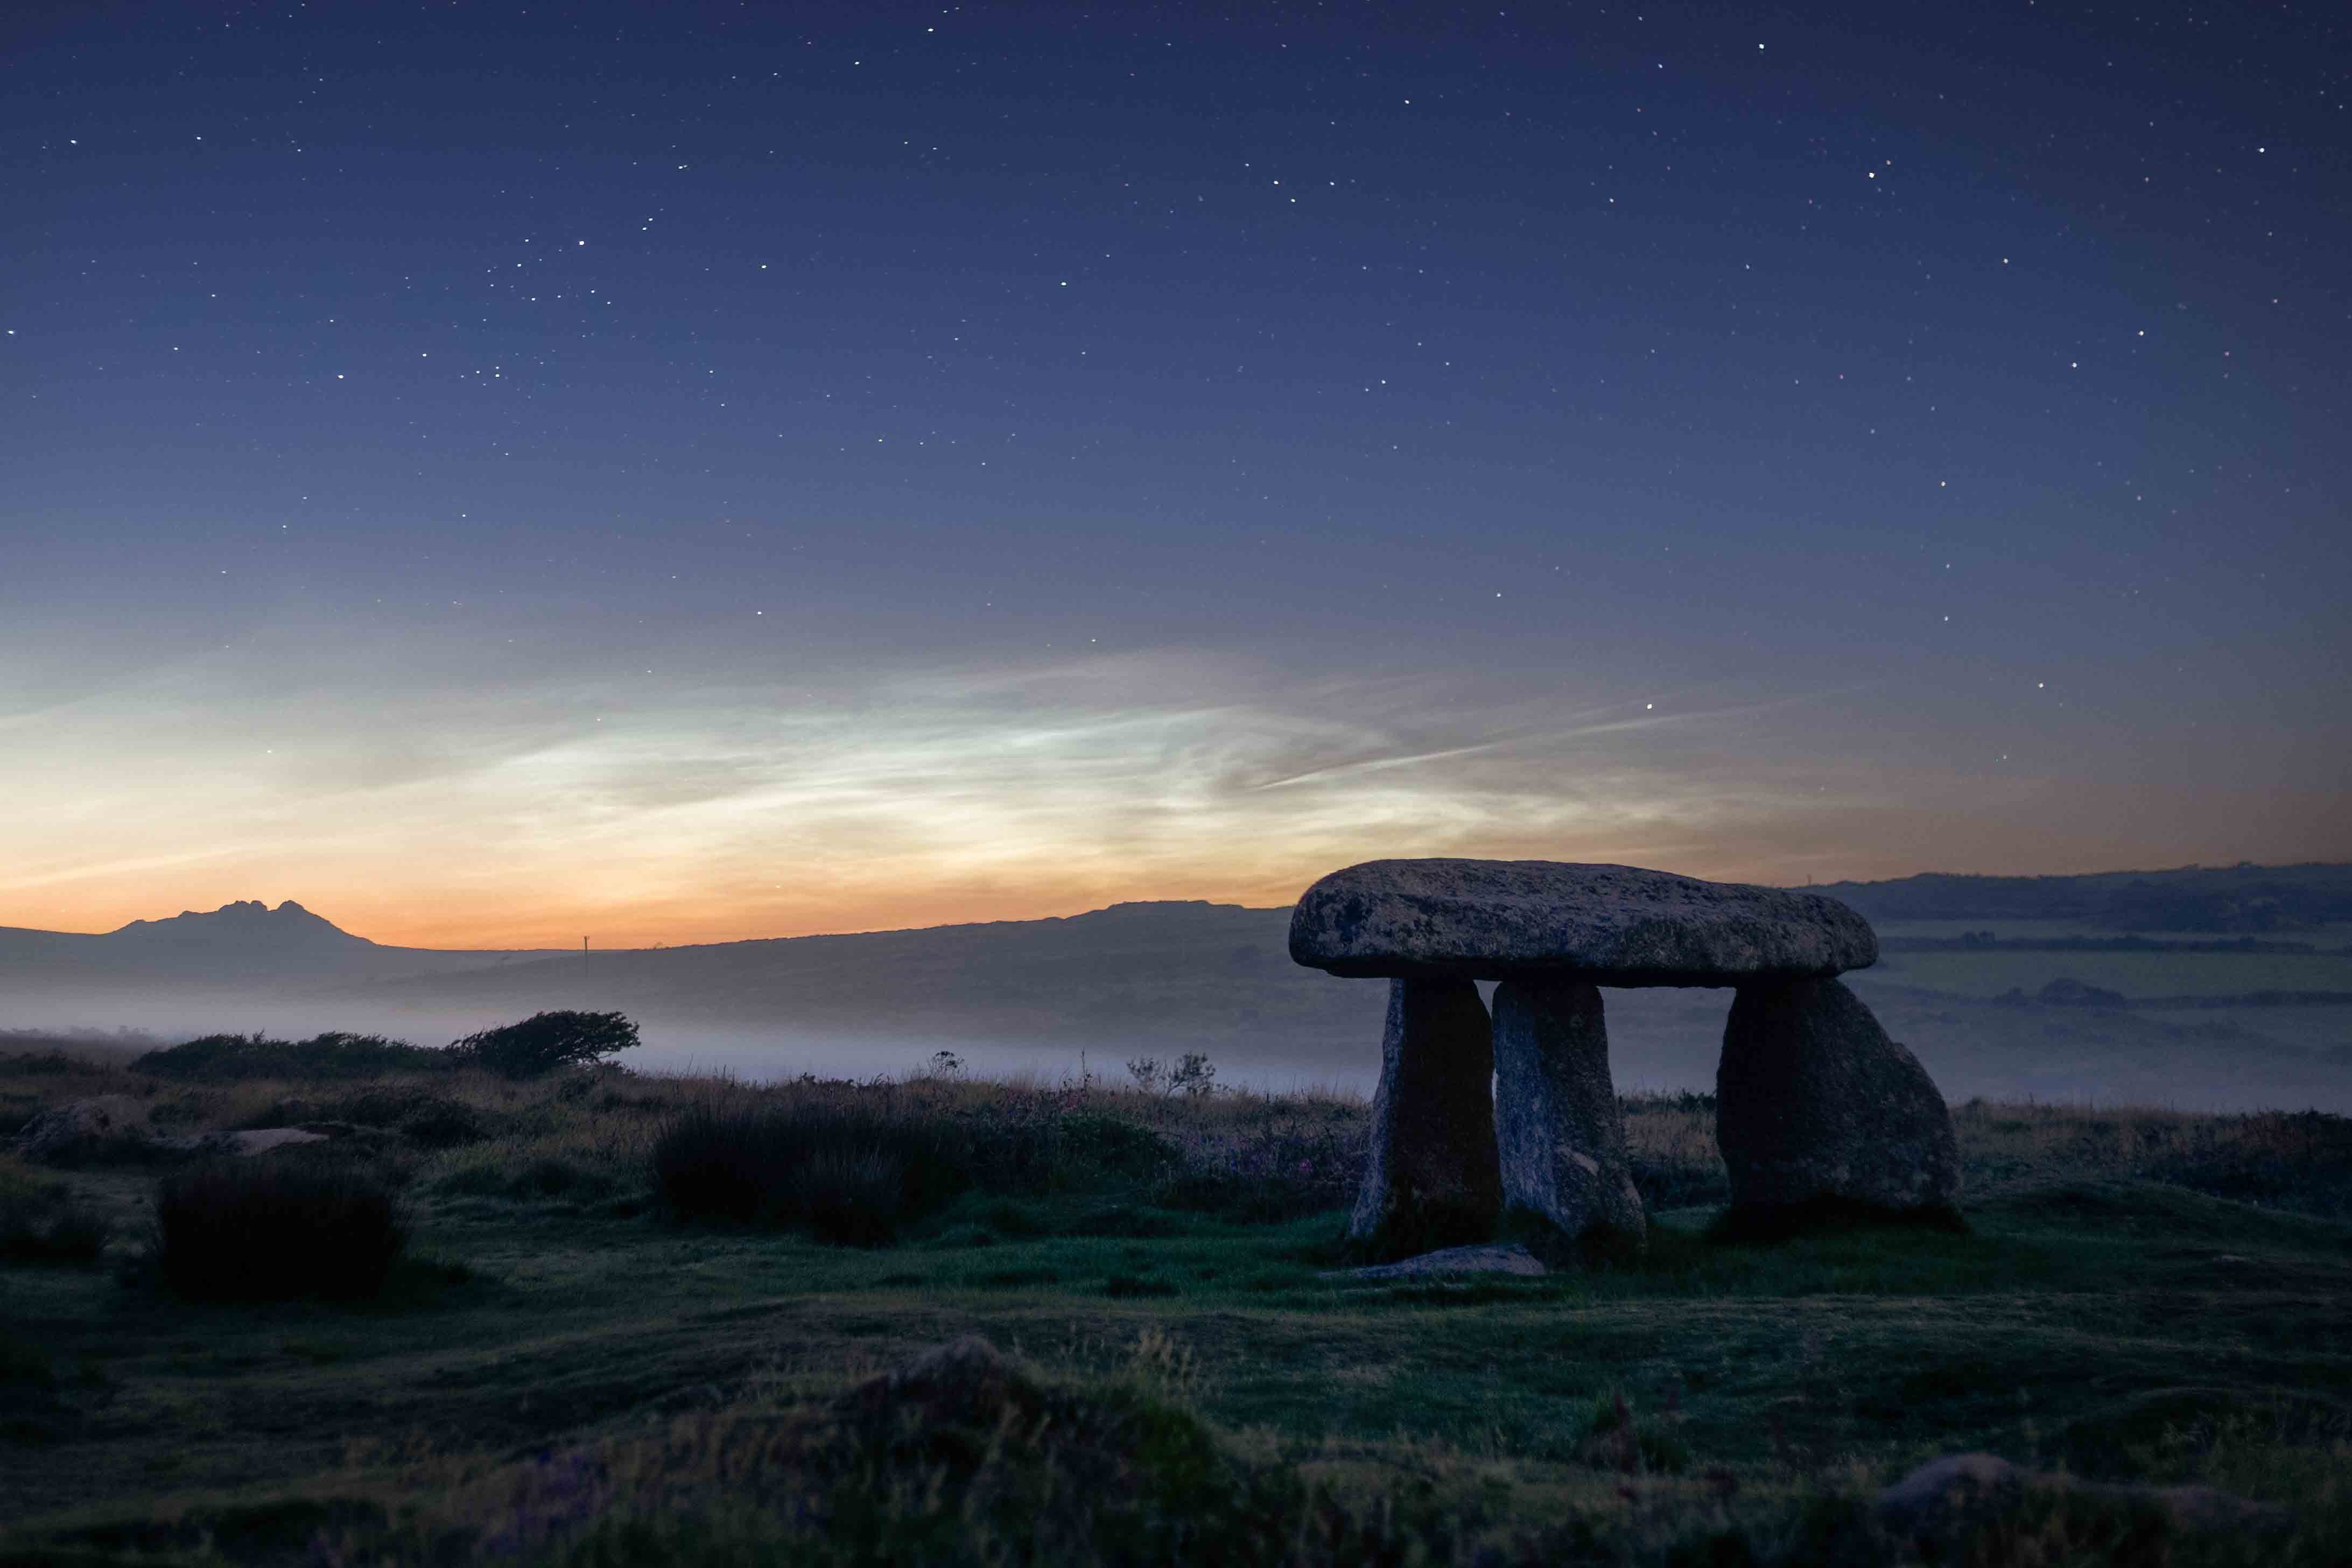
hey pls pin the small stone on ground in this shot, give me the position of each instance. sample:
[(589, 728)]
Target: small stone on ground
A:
[(1486, 1258)]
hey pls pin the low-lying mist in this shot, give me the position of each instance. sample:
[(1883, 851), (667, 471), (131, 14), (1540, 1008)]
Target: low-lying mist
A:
[(1662, 1039)]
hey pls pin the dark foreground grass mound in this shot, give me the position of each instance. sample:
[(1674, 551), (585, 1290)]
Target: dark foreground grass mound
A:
[(276, 1227), (964, 1456)]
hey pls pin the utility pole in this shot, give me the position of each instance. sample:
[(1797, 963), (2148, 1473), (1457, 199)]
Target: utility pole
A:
[(583, 957)]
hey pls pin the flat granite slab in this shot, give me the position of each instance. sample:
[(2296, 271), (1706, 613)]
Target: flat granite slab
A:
[(1603, 925)]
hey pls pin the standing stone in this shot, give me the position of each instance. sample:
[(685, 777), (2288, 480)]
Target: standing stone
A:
[(1816, 1108), (1566, 1185), (1432, 1178)]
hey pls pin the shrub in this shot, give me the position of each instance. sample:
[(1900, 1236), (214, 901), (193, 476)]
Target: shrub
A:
[(273, 1226), (545, 1041), (232, 1058), (1194, 1076)]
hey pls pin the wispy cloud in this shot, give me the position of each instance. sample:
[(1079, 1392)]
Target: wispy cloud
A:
[(509, 811)]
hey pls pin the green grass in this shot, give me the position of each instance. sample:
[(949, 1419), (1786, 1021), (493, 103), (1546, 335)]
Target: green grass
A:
[(561, 1371)]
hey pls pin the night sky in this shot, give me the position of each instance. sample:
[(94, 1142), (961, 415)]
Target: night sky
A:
[(683, 472)]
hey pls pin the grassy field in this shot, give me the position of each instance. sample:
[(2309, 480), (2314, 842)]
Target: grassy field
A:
[(560, 1371)]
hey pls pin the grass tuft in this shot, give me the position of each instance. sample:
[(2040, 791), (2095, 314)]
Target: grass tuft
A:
[(45, 1222)]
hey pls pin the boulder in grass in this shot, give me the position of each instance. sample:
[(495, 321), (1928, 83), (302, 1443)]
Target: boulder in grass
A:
[(1511, 1258), (1949, 1505), (248, 1141), (107, 1127)]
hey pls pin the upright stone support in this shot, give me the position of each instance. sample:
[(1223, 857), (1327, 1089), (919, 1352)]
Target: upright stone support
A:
[(1568, 1188), (1433, 1180), (1816, 1108)]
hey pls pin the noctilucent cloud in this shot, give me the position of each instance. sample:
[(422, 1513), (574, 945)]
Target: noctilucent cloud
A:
[(682, 473)]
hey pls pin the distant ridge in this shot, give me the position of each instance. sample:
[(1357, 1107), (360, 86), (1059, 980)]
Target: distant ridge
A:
[(245, 922), (1080, 971), (242, 944), (2239, 899), (1157, 979)]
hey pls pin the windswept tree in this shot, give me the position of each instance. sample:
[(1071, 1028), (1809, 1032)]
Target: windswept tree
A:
[(545, 1042)]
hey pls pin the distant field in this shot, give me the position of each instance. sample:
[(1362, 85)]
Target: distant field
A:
[(2306, 1029), (2324, 936), (2134, 974)]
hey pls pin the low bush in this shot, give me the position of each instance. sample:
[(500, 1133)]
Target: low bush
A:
[(545, 1042), (274, 1226), (235, 1057)]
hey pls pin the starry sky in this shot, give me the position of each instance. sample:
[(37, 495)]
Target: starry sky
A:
[(683, 472)]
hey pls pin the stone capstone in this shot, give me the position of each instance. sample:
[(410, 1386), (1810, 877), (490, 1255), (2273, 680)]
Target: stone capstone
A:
[(1567, 1183), (1814, 1104), (1604, 925), (1432, 1180)]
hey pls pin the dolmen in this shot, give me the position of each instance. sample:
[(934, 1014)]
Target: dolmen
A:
[(1508, 1125)]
